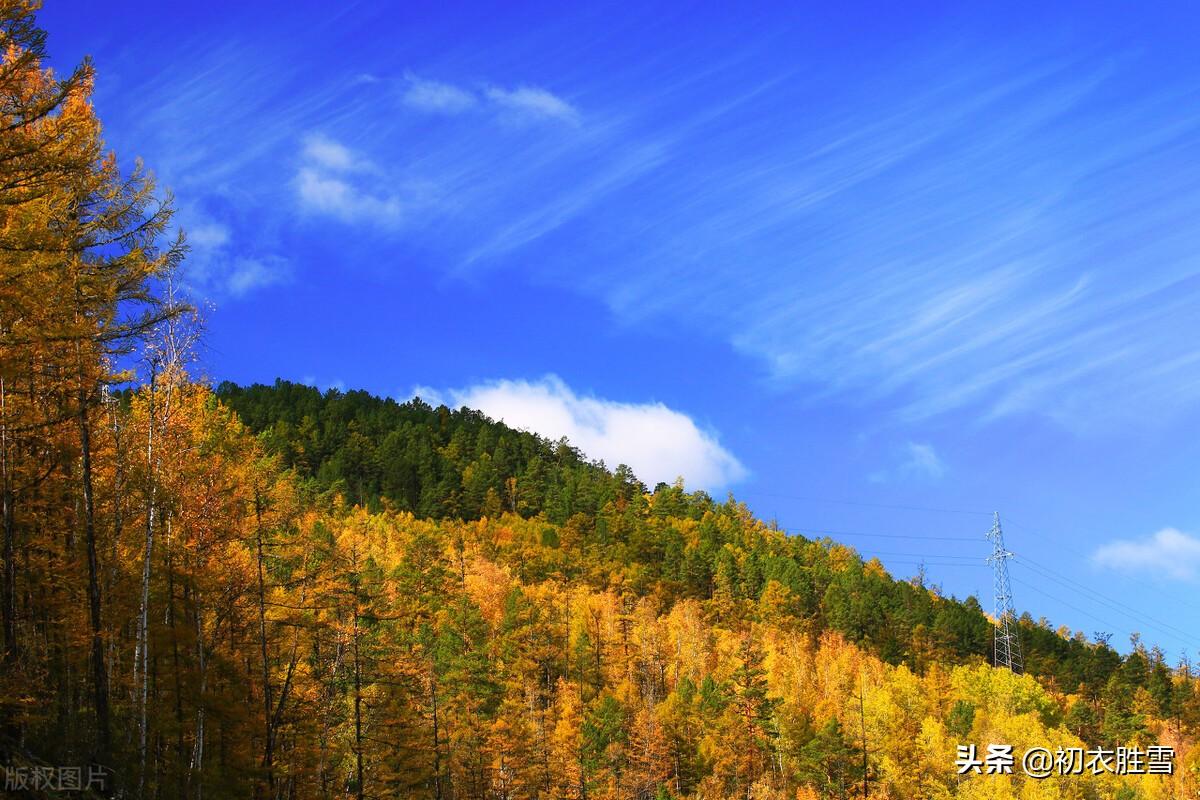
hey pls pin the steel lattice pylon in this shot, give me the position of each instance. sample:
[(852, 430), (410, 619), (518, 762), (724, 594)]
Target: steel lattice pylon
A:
[(1007, 643)]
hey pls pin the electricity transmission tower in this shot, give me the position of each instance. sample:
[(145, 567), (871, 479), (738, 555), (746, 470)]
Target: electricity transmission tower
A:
[(1007, 644)]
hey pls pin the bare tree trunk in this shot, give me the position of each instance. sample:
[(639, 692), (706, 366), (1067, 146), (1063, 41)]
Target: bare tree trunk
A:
[(862, 719), (143, 636), (181, 778), (268, 705), (9, 601), (437, 744), (202, 665), (331, 693), (358, 735), (99, 670), (114, 559)]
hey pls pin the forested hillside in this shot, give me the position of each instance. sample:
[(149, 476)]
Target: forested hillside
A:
[(432, 462), (271, 592)]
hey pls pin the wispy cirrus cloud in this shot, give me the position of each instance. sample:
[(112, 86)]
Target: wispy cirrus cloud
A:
[(657, 442), (933, 253), (923, 460), (436, 96), (519, 104), (217, 269), (323, 152), (992, 236), (1168, 552), (528, 102), (917, 461), (334, 180), (249, 274)]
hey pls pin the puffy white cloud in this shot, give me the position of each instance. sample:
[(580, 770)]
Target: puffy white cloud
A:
[(657, 442), (1169, 552)]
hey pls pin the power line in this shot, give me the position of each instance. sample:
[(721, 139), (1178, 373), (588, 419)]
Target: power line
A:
[(1060, 600), (1117, 604), (934, 564), (861, 504), (1127, 611), (944, 560), (977, 559), (1140, 617), (882, 535), (1042, 572), (1144, 584), (1044, 593), (1167, 595)]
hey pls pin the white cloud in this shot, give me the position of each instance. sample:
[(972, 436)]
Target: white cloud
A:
[(324, 152), (324, 193), (918, 460), (977, 240), (657, 442), (923, 461), (248, 274), (208, 235), (334, 181), (324, 386), (437, 97), (430, 395), (1169, 552), (528, 102), (523, 103), (212, 269), (808, 245)]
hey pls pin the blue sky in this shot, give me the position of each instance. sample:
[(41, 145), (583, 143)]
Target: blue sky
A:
[(876, 272)]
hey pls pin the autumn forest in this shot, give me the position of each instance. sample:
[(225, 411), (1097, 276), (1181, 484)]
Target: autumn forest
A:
[(271, 591)]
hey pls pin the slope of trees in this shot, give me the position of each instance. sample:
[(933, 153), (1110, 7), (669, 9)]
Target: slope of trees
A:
[(432, 462), (275, 593), (446, 464)]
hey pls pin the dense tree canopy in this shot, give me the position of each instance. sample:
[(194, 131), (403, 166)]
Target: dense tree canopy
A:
[(434, 462)]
